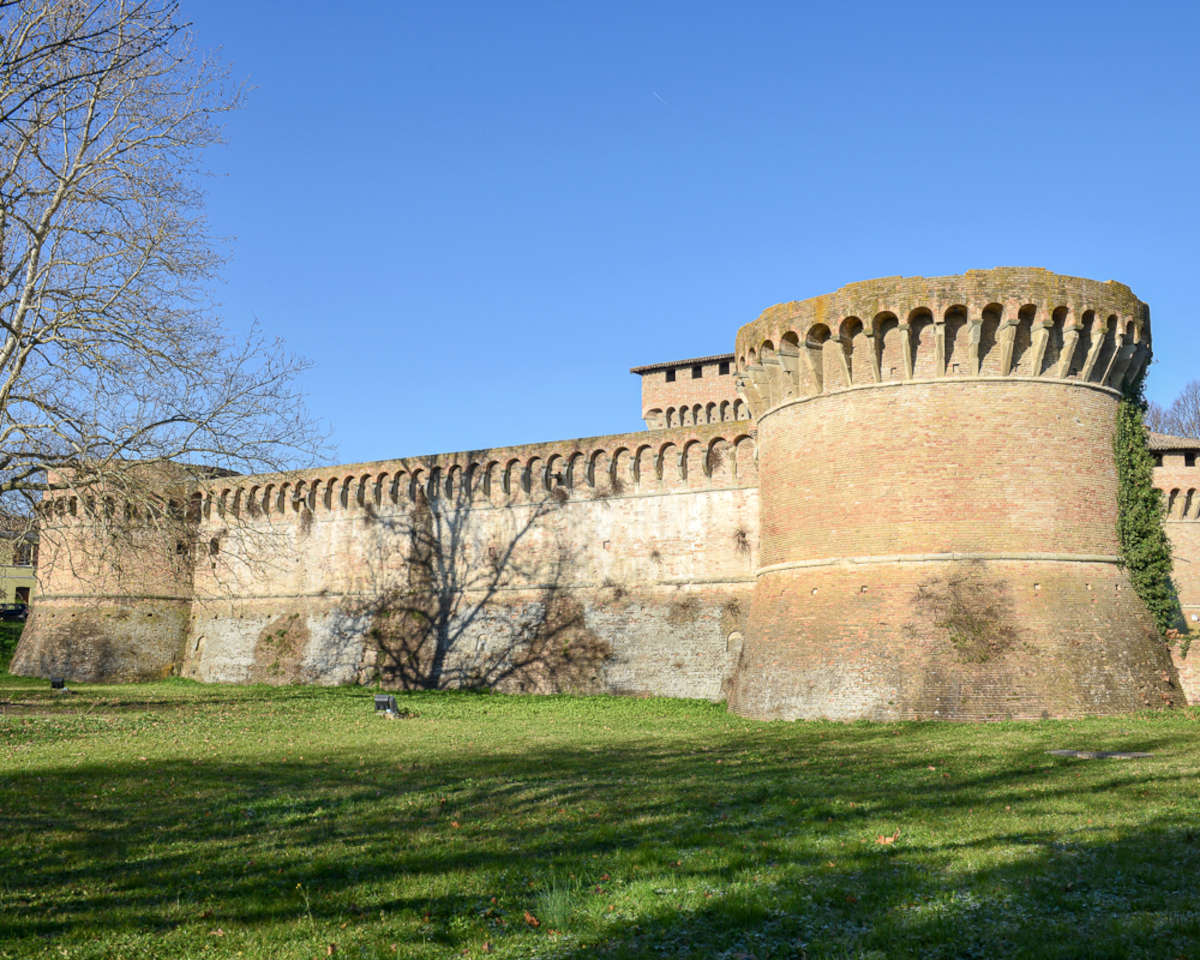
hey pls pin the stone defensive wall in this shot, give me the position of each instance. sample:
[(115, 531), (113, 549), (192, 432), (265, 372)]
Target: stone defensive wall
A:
[(611, 564), (898, 500), (938, 503)]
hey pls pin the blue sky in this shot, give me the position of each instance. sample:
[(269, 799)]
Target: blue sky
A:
[(475, 217)]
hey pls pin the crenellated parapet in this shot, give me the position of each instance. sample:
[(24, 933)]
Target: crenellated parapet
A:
[(705, 456), (1182, 503), (1022, 323), (686, 415), (711, 456)]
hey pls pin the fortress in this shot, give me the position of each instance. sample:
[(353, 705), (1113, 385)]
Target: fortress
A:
[(896, 500)]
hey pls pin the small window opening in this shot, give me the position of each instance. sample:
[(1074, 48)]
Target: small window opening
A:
[(1189, 459), (697, 372), (1158, 459), (670, 376), (723, 369)]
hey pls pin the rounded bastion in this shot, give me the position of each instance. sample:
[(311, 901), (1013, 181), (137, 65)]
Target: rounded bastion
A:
[(938, 503)]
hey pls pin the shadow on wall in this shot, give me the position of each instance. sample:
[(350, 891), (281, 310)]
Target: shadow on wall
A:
[(458, 597)]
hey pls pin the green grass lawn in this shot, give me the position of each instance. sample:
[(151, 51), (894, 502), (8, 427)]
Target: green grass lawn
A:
[(10, 633), (178, 820)]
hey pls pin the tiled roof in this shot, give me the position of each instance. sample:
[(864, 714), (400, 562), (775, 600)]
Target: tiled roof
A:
[(1164, 441), (674, 364)]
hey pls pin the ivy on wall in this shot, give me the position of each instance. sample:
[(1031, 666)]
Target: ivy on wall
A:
[(1145, 549)]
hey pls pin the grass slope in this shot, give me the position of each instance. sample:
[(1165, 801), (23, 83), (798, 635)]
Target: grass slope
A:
[(176, 820)]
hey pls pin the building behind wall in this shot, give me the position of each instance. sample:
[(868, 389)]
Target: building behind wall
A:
[(18, 572), (895, 500)]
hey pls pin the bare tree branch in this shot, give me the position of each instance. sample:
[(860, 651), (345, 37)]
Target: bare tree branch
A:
[(1182, 417), (111, 358)]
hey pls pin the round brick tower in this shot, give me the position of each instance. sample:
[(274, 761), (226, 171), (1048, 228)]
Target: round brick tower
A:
[(938, 503), (114, 586)]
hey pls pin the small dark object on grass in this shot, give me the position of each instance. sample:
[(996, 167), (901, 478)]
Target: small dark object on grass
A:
[(1100, 754), (385, 703), (58, 683)]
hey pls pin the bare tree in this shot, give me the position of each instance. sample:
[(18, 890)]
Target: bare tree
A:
[(111, 360), (1155, 418), (1182, 417), (472, 603)]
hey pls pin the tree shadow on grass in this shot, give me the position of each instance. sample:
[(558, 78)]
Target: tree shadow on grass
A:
[(758, 846)]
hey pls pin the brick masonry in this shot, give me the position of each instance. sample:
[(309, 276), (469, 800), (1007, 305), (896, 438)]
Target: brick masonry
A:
[(1178, 477), (687, 392)]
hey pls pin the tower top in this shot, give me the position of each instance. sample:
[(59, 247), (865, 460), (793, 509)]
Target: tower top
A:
[(1007, 322)]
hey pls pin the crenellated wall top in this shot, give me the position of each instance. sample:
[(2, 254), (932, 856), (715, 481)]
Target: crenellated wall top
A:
[(1005, 322), (692, 459), (701, 457)]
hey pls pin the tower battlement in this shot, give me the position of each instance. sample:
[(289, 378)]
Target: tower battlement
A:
[(1007, 322)]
